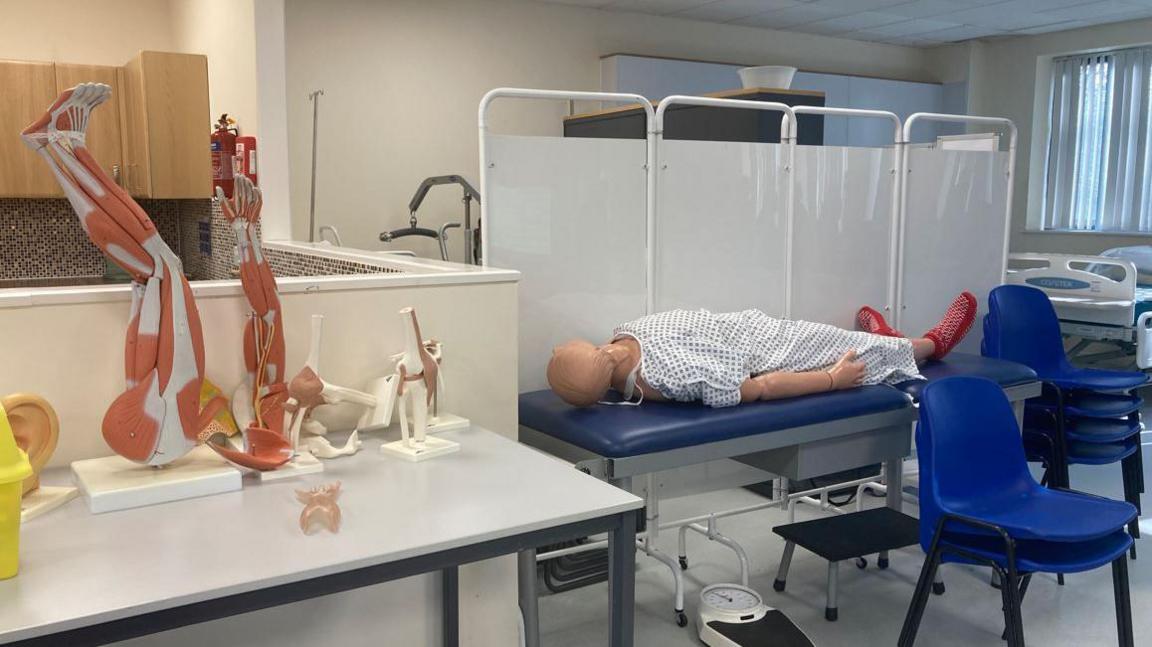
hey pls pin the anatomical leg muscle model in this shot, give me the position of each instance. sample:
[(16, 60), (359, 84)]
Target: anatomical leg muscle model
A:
[(157, 419)]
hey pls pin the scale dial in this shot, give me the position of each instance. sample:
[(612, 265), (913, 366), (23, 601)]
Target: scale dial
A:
[(731, 602)]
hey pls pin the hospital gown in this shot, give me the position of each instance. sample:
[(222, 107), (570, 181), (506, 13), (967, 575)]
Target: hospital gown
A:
[(697, 355)]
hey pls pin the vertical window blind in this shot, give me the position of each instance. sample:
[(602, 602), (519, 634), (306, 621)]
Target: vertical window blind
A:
[(1099, 160)]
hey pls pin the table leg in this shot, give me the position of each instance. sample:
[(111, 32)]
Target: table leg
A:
[(894, 473), (450, 579), (529, 602), (622, 580)]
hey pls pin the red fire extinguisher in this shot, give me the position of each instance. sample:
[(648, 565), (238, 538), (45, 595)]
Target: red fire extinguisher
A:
[(245, 159), (223, 149)]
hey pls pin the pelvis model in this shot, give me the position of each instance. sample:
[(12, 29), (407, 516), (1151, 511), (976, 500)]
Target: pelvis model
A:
[(158, 416)]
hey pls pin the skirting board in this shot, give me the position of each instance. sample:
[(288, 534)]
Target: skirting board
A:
[(116, 483)]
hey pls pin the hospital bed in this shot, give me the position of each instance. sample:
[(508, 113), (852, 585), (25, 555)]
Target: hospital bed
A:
[(796, 439), (1097, 299)]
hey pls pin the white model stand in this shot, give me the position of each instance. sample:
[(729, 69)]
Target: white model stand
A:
[(415, 370), (45, 499), (301, 464), (116, 483)]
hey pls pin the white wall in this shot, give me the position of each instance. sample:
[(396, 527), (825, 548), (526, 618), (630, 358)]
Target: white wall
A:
[(1008, 78), (402, 80)]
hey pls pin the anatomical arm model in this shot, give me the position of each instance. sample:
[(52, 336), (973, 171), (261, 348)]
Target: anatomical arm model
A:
[(264, 332), (264, 392), (158, 417), (724, 359), (308, 390)]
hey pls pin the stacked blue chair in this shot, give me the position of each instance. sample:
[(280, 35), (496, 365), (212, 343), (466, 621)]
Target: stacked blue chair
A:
[(980, 505), (1086, 416)]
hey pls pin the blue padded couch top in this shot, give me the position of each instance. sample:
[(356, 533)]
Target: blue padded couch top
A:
[(1000, 371), (660, 426)]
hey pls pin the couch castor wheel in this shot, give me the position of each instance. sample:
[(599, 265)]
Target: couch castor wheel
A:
[(831, 614), (681, 619), (882, 563), (779, 585), (683, 563), (938, 588), (861, 563)]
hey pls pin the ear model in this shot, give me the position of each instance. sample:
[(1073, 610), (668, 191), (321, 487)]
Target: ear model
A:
[(36, 429)]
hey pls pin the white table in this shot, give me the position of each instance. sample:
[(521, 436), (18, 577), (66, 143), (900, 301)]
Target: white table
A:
[(94, 579)]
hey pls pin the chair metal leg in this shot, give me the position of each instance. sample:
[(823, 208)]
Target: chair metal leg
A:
[(1123, 602), (1129, 467), (1012, 591), (1024, 582), (919, 599), (831, 611), (785, 564)]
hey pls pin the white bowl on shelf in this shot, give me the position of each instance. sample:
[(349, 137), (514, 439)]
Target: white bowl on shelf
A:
[(767, 76)]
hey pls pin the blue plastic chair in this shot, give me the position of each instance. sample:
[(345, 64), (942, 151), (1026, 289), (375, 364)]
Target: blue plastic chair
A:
[(1022, 326), (980, 505)]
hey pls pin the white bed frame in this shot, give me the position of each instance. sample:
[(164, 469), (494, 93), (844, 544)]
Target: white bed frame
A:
[(1091, 307)]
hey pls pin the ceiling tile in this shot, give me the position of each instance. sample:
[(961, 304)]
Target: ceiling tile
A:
[(727, 10), (992, 16), (789, 17), (862, 20), (1108, 9), (655, 7), (855, 6), (913, 27), (1059, 26), (962, 33), (923, 8)]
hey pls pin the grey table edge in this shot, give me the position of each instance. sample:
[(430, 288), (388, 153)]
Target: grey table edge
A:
[(621, 527)]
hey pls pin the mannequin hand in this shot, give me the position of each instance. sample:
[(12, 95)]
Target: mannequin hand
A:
[(848, 372)]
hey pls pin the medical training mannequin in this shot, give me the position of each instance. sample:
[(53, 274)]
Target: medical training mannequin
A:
[(724, 359)]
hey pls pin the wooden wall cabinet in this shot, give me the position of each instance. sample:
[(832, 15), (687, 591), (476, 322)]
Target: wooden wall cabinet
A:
[(152, 136), (27, 89), (165, 112)]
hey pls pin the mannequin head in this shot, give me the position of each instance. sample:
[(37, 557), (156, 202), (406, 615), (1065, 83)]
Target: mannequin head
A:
[(580, 372)]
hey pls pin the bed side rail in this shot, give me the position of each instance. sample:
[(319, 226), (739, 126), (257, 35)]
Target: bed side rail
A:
[(1098, 278)]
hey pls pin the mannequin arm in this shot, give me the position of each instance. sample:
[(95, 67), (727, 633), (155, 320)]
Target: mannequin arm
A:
[(844, 374)]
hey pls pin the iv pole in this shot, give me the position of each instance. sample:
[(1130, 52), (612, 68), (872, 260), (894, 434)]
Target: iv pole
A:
[(314, 97)]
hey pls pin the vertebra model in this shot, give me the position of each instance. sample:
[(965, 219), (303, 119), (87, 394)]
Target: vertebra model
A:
[(157, 419)]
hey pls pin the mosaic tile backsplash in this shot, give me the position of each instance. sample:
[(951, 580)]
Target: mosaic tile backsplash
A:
[(42, 239)]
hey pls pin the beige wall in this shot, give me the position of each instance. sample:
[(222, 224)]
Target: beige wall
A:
[(103, 32), (109, 32), (403, 78), (1008, 78), (224, 30)]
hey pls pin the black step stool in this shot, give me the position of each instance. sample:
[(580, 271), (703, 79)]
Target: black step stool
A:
[(846, 536)]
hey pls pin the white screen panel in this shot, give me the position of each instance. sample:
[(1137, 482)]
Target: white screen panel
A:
[(842, 231), (569, 214), (954, 234), (720, 226)]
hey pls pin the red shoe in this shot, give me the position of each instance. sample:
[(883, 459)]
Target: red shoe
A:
[(954, 326), (871, 321)]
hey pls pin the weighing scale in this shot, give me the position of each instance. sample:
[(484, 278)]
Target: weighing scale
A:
[(732, 615)]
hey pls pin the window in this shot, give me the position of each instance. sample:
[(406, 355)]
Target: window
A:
[(1099, 162)]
